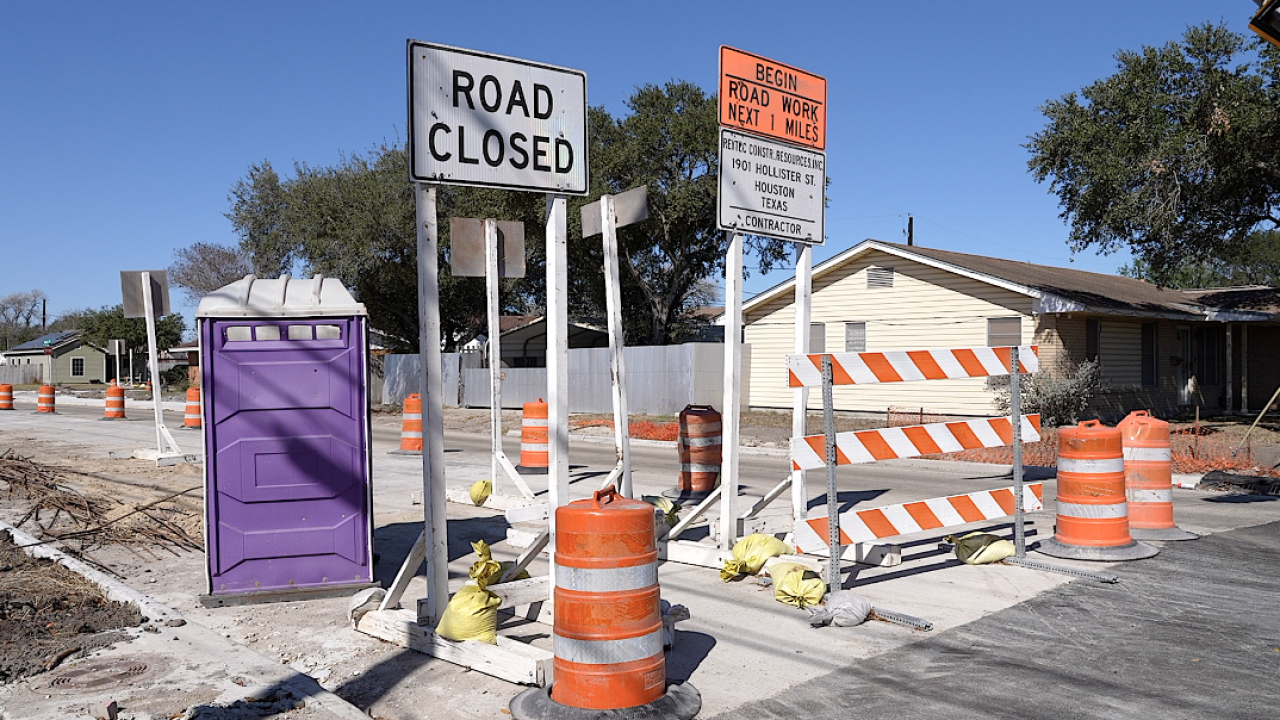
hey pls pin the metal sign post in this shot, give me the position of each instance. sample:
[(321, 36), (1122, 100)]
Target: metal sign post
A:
[(605, 217), (146, 295), (1015, 421), (833, 505), (731, 417)]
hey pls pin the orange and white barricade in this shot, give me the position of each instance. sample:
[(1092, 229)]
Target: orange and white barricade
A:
[(1092, 514), (866, 368), (191, 414), (865, 446), (45, 399), (1148, 478), (6, 396), (114, 409)]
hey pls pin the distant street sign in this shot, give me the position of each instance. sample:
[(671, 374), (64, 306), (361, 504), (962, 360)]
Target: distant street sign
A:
[(467, 248), (495, 121), (629, 207), (770, 188), (766, 97), (131, 291)]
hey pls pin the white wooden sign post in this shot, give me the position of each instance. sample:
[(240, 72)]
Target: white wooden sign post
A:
[(493, 121)]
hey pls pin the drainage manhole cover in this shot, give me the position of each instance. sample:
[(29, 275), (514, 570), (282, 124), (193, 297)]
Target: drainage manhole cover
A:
[(106, 674)]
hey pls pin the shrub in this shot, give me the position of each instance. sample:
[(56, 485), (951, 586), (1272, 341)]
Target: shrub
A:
[(1060, 395)]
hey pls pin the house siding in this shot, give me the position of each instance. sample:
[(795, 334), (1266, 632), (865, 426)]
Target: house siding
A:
[(926, 308)]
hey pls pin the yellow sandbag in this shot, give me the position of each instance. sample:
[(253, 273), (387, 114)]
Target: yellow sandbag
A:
[(480, 491), (472, 614), (795, 584), (978, 548), (751, 553), (486, 571), (670, 510)]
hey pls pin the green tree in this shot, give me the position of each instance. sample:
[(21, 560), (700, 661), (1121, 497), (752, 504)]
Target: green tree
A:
[(1176, 155), (109, 323), (669, 143), (356, 221), (1255, 262)]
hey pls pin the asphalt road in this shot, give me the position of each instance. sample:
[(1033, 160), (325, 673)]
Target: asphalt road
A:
[(1191, 633)]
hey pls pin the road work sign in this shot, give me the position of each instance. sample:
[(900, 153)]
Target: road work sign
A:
[(765, 97), (771, 188), (494, 121)]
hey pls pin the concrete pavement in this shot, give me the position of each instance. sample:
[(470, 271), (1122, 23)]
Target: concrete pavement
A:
[(741, 648)]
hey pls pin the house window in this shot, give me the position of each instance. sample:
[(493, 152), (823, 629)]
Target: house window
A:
[(1208, 350), (1092, 339), (77, 367), (1150, 366), (879, 277), (1004, 332), (855, 337), (817, 338)]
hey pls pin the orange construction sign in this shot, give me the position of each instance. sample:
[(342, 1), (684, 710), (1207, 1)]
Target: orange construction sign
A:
[(766, 97)]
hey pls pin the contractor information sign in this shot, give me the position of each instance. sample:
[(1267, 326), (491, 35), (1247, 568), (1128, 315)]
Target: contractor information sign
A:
[(766, 97), (771, 188), (495, 121)]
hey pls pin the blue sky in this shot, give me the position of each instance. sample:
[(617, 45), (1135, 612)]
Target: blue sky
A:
[(124, 125)]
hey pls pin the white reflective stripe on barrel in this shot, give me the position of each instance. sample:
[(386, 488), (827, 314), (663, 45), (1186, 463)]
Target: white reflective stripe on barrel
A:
[(413, 416), (1151, 496), (701, 442), (1089, 466), (534, 422), (1114, 510), (608, 652), (703, 428), (410, 434), (603, 580), (684, 467), (533, 447), (1152, 454)]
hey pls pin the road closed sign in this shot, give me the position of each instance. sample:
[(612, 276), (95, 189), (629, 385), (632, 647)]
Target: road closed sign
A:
[(495, 121), (770, 188), (766, 97)]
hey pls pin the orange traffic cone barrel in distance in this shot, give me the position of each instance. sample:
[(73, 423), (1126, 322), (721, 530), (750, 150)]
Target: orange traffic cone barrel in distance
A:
[(115, 403), (1148, 478), (534, 452), (1093, 521), (6, 396), (191, 416), (44, 399), (411, 427), (699, 446), (608, 619)]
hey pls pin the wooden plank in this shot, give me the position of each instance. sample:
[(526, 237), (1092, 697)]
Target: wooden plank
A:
[(407, 571), (691, 553), (509, 660), (522, 592), (528, 555)]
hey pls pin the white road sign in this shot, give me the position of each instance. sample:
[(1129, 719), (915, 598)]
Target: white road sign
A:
[(482, 119), (771, 188)]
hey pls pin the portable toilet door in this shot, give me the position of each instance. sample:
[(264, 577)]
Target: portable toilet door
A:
[(288, 499)]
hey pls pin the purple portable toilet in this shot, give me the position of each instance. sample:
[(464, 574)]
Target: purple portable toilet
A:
[(288, 502)]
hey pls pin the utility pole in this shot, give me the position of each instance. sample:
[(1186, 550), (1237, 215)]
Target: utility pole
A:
[(911, 231)]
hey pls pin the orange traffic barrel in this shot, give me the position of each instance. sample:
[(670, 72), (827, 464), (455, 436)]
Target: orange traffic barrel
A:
[(1093, 519), (533, 439), (411, 427), (1148, 478), (44, 399), (608, 619), (191, 415), (6, 396), (699, 447), (115, 403)]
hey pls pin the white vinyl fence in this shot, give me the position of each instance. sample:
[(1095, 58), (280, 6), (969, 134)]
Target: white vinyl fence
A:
[(660, 380)]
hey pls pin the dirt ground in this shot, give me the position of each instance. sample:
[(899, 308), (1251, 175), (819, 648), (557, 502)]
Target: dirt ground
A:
[(48, 614)]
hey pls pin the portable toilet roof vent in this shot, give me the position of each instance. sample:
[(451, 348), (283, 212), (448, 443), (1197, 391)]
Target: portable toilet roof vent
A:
[(250, 296)]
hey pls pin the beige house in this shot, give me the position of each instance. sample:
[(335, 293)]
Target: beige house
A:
[(1167, 350)]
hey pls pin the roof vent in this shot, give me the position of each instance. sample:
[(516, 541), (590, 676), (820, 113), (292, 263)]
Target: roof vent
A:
[(879, 277)]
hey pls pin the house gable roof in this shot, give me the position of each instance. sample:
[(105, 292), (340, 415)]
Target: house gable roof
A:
[(1058, 290), (53, 340)]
